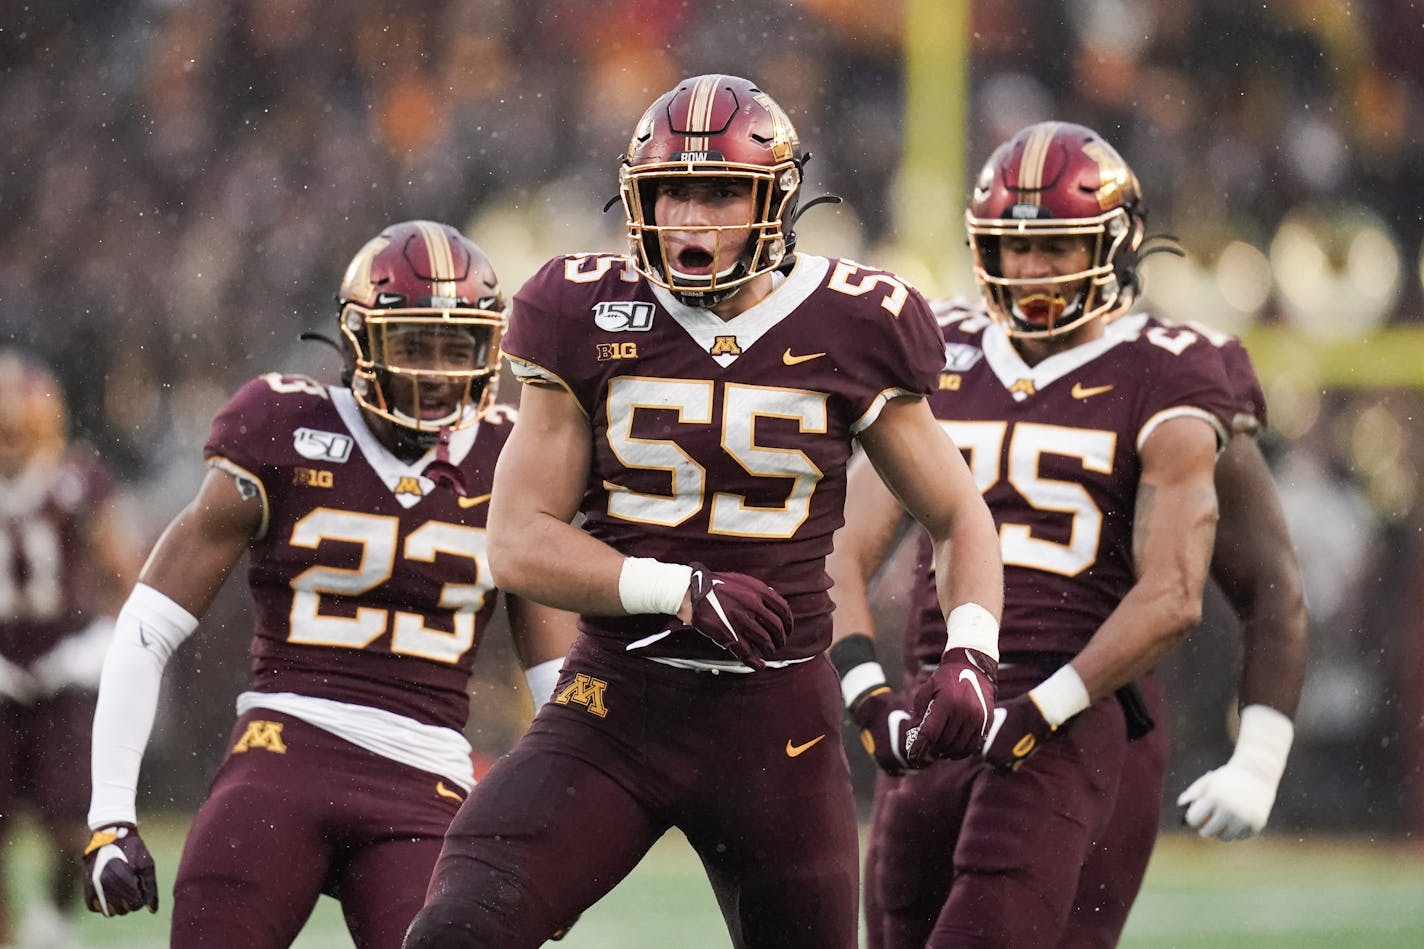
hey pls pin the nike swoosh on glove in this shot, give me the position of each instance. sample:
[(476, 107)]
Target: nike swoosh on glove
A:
[(1018, 729), (739, 613), (952, 707), (119, 875), (884, 729)]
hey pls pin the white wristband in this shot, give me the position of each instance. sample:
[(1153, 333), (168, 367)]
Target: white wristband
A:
[(646, 585), (542, 677), (1060, 696), (1264, 742), (861, 679), (970, 626)]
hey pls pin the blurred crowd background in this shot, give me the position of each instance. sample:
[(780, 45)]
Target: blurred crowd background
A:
[(183, 182)]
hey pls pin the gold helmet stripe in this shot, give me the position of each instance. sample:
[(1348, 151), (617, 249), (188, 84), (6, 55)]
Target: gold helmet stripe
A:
[(442, 259), (1035, 154), (699, 111)]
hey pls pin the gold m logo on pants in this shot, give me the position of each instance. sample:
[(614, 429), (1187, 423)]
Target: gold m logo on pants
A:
[(587, 691)]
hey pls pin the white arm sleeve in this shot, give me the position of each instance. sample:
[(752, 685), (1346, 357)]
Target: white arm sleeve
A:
[(148, 629)]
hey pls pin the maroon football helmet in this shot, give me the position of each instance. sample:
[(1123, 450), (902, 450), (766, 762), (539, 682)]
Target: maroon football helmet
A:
[(1062, 180), (712, 126), (405, 295)]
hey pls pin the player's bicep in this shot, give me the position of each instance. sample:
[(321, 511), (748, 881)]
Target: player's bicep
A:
[(204, 542), (1174, 525), (920, 464), (543, 468)]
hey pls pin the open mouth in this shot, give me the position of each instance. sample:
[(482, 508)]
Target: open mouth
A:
[(694, 261)]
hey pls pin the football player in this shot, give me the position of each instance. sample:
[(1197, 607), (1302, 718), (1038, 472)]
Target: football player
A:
[(65, 565), (1255, 566), (362, 509), (1095, 452), (697, 401)]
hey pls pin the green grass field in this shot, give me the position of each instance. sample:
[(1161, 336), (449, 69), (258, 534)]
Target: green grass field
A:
[(1259, 894)]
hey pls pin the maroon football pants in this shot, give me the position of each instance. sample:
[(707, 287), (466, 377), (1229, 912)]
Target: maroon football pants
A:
[(749, 767), (969, 856), (298, 813), (1111, 877)]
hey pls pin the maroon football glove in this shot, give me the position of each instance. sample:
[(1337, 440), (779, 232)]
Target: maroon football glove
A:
[(119, 876), (739, 613), (1018, 729), (884, 729), (952, 707)]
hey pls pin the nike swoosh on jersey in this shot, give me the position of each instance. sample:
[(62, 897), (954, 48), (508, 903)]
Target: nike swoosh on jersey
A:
[(795, 751), (472, 502), (1087, 392), (792, 360), (443, 791)]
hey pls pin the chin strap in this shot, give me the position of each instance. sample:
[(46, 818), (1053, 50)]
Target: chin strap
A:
[(442, 471)]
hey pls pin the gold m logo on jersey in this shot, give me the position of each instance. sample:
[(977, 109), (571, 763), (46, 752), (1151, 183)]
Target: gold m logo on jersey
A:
[(261, 734), (409, 484), (607, 351), (725, 346), (587, 691)]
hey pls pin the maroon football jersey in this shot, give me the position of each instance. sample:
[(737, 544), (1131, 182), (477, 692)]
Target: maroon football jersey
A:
[(1054, 449), (46, 563), (724, 442), (370, 582), (1249, 417)]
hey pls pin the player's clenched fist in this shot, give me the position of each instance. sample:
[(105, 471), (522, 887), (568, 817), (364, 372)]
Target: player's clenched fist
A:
[(952, 707), (1022, 724), (119, 875), (739, 613), (1016, 732)]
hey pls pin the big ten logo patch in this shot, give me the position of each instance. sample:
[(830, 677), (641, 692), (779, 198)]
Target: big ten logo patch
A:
[(312, 478), (607, 351), (261, 734), (587, 691), (950, 381)]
